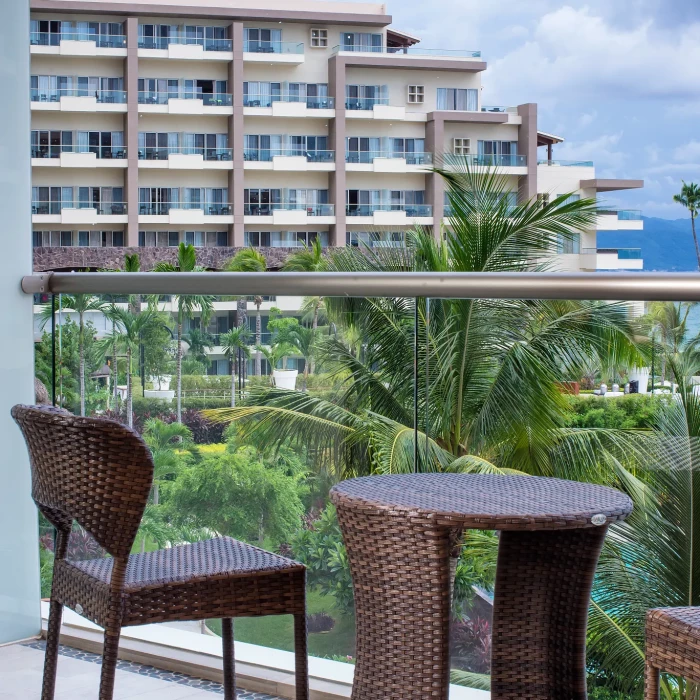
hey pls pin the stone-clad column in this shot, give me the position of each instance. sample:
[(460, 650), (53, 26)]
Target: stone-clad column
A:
[(131, 130), (527, 146), (435, 187), (235, 137), (336, 139)]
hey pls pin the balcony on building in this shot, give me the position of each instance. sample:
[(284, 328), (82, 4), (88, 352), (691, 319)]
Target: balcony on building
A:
[(262, 45), (285, 239), (78, 156), (368, 102), (184, 96), (388, 161), (77, 99), (376, 239), (191, 213), (171, 239), (619, 220), (611, 259), (505, 163), (289, 158), (185, 42), (270, 99), (68, 38), (389, 214), (288, 213), (78, 212), (185, 158)]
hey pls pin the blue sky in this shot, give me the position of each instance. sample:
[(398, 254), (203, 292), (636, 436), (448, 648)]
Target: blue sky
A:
[(619, 79)]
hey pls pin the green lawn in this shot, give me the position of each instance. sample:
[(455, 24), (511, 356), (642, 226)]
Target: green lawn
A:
[(276, 631)]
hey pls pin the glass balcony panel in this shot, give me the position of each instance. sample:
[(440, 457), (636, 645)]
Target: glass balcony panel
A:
[(104, 209), (411, 157), (267, 154), (407, 51), (102, 152), (209, 154), (412, 210), (261, 46), (266, 100), (220, 99)]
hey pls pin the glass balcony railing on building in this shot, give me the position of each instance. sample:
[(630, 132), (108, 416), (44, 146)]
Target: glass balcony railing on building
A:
[(267, 209), (266, 100), (103, 41), (102, 96), (406, 51), (208, 44), (210, 99), (164, 208), (102, 208), (267, 154), (411, 157), (364, 103), (567, 163), (261, 46), (376, 239), (163, 153), (415, 210), (620, 253), (102, 152)]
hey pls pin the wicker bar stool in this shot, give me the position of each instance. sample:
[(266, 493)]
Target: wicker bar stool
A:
[(99, 473), (672, 645)]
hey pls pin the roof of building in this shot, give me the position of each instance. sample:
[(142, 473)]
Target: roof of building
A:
[(545, 139), (397, 38)]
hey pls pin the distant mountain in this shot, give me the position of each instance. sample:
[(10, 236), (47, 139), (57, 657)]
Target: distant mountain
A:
[(667, 244)]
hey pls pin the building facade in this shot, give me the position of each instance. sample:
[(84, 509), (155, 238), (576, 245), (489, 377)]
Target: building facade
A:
[(161, 122)]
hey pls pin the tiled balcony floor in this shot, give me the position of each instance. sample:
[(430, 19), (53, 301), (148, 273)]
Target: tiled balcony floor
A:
[(78, 678)]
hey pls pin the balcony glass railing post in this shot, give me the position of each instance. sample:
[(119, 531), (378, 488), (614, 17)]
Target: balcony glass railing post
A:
[(567, 163), (364, 103), (104, 208)]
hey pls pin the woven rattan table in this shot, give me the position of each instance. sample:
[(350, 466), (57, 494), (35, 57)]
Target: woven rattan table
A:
[(400, 532)]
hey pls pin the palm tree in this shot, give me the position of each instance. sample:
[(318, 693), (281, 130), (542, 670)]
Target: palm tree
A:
[(670, 321), (303, 339), (235, 343), (166, 441), (199, 342), (250, 260), (126, 338), (689, 197), (187, 306), (80, 304), (487, 371)]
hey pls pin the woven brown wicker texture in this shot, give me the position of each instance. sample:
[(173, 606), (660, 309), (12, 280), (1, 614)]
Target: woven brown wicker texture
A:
[(99, 473), (672, 645), (400, 532)]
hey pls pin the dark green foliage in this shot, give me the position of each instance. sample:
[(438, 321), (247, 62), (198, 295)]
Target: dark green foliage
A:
[(633, 412)]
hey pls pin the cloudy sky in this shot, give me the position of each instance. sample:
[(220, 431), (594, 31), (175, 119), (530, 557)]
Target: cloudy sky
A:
[(619, 79)]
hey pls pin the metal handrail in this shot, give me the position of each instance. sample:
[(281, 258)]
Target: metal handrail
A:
[(642, 286)]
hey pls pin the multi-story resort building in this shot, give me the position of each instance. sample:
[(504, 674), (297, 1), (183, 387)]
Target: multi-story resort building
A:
[(228, 125)]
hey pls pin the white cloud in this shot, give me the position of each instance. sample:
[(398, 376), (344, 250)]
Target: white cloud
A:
[(603, 151), (688, 152), (587, 118), (575, 52)]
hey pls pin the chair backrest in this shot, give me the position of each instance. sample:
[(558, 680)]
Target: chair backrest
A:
[(95, 471)]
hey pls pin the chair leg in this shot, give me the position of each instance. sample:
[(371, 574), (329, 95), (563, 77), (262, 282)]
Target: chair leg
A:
[(51, 656), (229, 659), (301, 657), (651, 682), (110, 653)]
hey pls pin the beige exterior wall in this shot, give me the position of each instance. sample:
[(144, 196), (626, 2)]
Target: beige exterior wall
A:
[(70, 65), (67, 177), (81, 121), (180, 178), (193, 70), (292, 127), (183, 123), (267, 178)]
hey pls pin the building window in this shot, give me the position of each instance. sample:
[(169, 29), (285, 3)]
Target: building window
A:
[(458, 100), (319, 38), (571, 245), (416, 94), (461, 147)]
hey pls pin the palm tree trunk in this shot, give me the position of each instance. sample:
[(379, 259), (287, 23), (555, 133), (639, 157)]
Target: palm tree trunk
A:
[(314, 327), (306, 375), (695, 238), (261, 531), (233, 384), (258, 342), (129, 396), (156, 494), (179, 365), (81, 345), (115, 370)]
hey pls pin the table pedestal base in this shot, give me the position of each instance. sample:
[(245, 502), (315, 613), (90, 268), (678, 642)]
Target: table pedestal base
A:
[(543, 587)]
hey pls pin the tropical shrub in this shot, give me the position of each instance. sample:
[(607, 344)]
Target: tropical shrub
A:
[(319, 622), (632, 412), (471, 643)]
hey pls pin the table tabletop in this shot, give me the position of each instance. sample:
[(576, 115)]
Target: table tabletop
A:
[(486, 501)]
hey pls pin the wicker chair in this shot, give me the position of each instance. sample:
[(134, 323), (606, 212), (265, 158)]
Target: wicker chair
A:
[(672, 645), (99, 473)]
